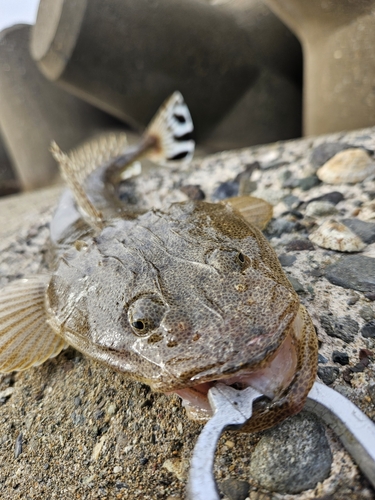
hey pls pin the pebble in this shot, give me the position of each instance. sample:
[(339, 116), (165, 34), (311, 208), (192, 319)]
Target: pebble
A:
[(287, 260), (328, 374), (365, 230), (368, 330), (298, 287), (333, 197), (18, 445), (292, 457), (117, 469), (280, 226), (349, 166), (193, 192), (5, 394), (234, 489), (322, 359), (340, 357), (225, 190), (322, 153), (299, 245), (353, 271), (176, 467), (308, 182), (292, 201), (367, 313), (320, 209), (336, 236), (344, 328), (371, 391)]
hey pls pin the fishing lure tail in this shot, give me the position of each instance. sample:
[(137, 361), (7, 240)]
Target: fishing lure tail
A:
[(171, 128)]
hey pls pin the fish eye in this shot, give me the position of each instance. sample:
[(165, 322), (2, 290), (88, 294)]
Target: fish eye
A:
[(139, 325), (241, 257), (145, 314), (226, 260)]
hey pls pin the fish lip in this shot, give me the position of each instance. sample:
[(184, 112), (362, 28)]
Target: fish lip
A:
[(273, 377)]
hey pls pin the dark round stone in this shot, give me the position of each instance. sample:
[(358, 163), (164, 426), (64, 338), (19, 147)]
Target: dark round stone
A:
[(287, 260), (234, 489), (368, 330), (340, 357), (328, 374), (226, 190), (293, 456), (193, 192)]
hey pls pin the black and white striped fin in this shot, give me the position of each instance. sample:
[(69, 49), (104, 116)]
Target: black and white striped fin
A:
[(26, 339), (172, 127)]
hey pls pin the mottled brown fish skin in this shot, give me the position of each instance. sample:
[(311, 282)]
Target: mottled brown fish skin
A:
[(208, 289)]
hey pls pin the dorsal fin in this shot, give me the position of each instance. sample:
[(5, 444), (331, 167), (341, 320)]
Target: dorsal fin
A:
[(172, 127), (26, 339), (254, 210)]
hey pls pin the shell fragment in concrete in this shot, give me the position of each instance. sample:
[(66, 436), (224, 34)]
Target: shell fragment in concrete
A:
[(335, 236)]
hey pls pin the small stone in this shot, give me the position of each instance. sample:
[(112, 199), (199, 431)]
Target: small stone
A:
[(225, 190), (5, 394), (333, 197), (117, 469), (176, 467), (322, 359), (193, 192), (367, 313), (299, 245), (340, 357), (143, 460), (292, 201), (353, 271), (328, 374), (298, 287), (287, 260), (234, 489), (336, 236), (280, 226), (320, 209), (111, 410), (293, 456), (368, 330), (371, 392), (349, 166), (99, 414), (308, 182), (344, 328), (77, 401), (365, 355), (98, 448), (322, 153), (230, 444), (18, 445), (365, 230)]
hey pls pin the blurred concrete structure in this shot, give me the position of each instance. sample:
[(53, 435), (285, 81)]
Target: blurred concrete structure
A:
[(33, 112), (127, 56), (8, 182), (338, 39)]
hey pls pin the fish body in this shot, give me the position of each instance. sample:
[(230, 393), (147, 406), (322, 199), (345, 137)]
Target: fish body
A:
[(177, 298)]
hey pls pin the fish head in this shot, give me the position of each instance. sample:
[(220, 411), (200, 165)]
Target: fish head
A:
[(183, 298)]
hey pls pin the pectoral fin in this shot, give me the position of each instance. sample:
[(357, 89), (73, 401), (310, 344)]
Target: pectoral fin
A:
[(254, 210), (26, 339)]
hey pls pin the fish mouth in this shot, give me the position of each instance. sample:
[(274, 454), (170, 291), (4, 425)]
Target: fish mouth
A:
[(272, 379)]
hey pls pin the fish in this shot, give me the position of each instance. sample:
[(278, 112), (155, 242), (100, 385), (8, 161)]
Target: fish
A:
[(178, 298)]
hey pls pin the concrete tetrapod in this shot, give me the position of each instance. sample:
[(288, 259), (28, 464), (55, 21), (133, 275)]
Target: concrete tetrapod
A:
[(338, 40), (127, 56), (33, 112)]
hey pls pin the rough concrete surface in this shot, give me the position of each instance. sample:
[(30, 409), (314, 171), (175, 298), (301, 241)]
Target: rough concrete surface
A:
[(74, 429)]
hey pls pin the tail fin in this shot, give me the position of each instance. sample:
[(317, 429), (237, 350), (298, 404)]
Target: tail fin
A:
[(172, 127)]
